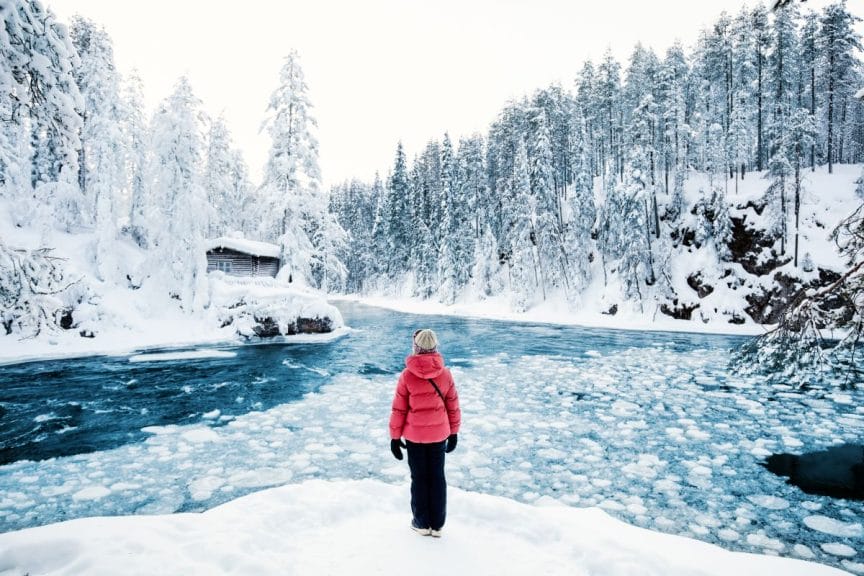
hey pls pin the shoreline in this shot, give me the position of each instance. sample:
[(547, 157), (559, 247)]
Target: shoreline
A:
[(553, 316), (147, 347), (63, 346)]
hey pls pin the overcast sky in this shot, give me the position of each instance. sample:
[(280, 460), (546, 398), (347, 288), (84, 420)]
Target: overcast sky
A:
[(380, 70)]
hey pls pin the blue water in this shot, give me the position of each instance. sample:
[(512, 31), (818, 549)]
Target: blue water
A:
[(649, 426)]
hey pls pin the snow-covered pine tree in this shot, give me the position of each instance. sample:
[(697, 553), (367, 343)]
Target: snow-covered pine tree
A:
[(380, 241), (308, 235), (739, 138), (397, 217), (783, 69), (671, 104), (524, 273), (639, 180), (422, 221), (137, 137), (839, 42), (802, 132), (216, 175), (580, 213), (39, 93), (177, 209), (239, 206), (547, 234), (451, 280), (761, 44), (102, 172), (586, 107), (810, 55), (608, 94)]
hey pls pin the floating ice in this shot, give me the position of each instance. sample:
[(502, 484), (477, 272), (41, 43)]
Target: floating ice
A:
[(769, 502), (91, 493), (834, 527), (190, 355), (838, 549)]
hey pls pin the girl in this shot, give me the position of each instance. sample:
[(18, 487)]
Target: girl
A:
[(426, 413)]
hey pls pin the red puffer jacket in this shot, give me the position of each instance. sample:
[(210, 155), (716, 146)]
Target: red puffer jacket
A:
[(418, 413)]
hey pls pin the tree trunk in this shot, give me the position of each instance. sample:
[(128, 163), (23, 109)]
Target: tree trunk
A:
[(830, 150), (651, 279), (759, 144), (813, 114), (797, 196)]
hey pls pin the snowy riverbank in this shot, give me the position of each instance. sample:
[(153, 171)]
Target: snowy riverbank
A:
[(555, 313), (361, 527)]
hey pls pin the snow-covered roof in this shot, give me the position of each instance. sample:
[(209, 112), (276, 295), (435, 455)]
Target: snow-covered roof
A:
[(247, 246)]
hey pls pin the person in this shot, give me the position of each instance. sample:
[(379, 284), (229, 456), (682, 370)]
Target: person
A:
[(426, 413)]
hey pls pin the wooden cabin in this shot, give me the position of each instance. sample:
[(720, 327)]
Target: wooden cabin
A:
[(240, 257)]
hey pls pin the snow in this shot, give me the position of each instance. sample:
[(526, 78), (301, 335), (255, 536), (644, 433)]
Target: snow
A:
[(498, 308), (191, 355), (361, 527), (243, 245)]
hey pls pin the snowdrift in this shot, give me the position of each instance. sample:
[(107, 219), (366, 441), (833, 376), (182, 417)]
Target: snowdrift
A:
[(361, 527)]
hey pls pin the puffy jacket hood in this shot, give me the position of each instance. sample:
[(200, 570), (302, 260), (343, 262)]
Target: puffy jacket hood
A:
[(425, 365)]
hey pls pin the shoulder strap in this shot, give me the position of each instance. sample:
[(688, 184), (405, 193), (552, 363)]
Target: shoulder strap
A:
[(438, 390)]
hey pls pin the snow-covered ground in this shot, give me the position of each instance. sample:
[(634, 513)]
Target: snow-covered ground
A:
[(122, 319), (553, 312), (361, 528)]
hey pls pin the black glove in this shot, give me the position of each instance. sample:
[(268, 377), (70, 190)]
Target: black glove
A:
[(451, 443), (396, 448)]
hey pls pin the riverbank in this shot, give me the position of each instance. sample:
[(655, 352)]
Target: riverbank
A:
[(556, 313), (361, 527)]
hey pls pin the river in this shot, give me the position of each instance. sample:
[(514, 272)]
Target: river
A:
[(649, 426)]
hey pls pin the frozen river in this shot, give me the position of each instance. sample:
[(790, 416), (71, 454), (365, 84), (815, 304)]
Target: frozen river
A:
[(651, 427)]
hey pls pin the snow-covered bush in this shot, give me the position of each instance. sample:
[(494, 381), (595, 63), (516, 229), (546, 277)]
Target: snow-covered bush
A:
[(32, 286)]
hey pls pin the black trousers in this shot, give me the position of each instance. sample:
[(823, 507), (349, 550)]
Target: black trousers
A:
[(428, 485)]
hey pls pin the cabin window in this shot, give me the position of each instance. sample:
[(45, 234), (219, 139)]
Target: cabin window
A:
[(224, 266)]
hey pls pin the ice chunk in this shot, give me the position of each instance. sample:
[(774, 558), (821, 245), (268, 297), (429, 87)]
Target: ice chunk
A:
[(834, 527), (203, 488), (769, 502), (200, 434), (838, 549), (728, 535), (190, 355), (803, 551), (91, 493)]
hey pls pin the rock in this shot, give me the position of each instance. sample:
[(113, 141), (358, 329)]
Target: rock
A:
[(701, 289), (766, 307), (753, 249), (66, 321), (265, 328), (682, 311), (314, 325), (612, 310), (268, 327), (837, 471)]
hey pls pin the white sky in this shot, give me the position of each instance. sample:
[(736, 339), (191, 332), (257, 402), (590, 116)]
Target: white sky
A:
[(380, 70)]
